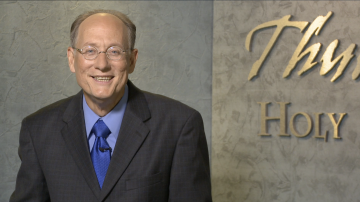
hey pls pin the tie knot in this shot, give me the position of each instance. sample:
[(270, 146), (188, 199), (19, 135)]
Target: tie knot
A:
[(100, 129)]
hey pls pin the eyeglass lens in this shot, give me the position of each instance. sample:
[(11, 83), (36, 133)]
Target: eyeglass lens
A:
[(113, 53)]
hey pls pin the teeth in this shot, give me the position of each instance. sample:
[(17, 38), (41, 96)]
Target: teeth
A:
[(102, 78)]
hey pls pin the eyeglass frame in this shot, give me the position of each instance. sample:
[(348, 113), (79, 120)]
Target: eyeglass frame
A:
[(98, 52)]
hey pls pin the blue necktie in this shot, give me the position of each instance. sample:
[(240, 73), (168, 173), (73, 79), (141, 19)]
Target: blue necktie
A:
[(101, 151)]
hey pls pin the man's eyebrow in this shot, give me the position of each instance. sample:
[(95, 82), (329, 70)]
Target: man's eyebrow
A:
[(117, 44), (111, 44), (90, 44)]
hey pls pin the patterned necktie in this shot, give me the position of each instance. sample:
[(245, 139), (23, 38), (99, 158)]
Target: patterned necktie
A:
[(101, 151)]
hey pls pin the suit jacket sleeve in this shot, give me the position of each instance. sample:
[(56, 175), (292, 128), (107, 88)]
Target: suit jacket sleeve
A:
[(190, 173), (30, 182)]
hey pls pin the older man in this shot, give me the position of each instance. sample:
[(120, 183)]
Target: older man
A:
[(111, 141)]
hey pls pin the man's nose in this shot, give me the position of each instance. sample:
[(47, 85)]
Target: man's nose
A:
[(102, 62)]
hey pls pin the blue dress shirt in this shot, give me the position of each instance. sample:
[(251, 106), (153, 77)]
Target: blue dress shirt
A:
[(112, 120)]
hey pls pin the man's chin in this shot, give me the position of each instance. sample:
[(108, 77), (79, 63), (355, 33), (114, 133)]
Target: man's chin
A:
[(102, 97), (99, 97)]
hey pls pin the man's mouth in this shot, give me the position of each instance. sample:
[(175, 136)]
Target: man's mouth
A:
[(103, 78)]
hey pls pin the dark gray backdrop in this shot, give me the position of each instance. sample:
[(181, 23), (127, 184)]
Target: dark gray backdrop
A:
[(175, 47)]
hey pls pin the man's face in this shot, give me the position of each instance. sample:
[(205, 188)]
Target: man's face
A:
[(102, 80)]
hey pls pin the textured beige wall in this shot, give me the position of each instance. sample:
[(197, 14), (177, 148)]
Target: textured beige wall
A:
[(248, 167), (174, 41)]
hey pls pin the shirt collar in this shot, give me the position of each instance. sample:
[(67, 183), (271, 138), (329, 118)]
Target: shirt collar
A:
[(112, 120)]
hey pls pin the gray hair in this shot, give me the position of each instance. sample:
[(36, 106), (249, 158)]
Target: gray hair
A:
[(128, 23)]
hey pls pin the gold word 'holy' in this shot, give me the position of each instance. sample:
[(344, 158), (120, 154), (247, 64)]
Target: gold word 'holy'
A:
[(327, 60), (283, 117)]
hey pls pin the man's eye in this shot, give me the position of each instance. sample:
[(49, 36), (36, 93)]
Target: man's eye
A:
[(90, 51), (114, 52)]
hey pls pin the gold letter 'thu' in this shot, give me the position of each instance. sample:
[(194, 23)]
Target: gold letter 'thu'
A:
[(314, 28), (328, 63), (281, 24)]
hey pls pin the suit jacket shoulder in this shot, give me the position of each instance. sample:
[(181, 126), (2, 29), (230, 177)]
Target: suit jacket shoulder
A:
[(167, 105), (159, 106), (53, 112)]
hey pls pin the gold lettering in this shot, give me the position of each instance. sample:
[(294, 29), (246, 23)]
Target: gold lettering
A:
[(356, 71), (281, 24), (328, 63), (336, 125), (317, 127), (292, 128), (265, 118), (313, 50)]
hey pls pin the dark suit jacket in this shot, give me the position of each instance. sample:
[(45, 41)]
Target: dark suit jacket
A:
[(160, 154)]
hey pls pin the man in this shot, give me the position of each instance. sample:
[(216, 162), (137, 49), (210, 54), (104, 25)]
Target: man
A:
[(111, 141)]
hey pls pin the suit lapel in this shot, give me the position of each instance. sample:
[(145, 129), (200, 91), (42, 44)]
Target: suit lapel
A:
[(132, 133), (75, 138)]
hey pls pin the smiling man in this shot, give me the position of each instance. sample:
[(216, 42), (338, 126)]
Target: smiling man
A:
[(111, 141)]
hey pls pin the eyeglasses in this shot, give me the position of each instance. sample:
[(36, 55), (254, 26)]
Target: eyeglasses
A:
[(90, 52)]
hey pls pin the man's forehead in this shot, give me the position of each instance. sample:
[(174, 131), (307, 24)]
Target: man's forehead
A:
[(102, 18), (102, 26)]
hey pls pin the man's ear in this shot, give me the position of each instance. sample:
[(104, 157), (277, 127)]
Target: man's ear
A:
[(71, 58), (133, 59)]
